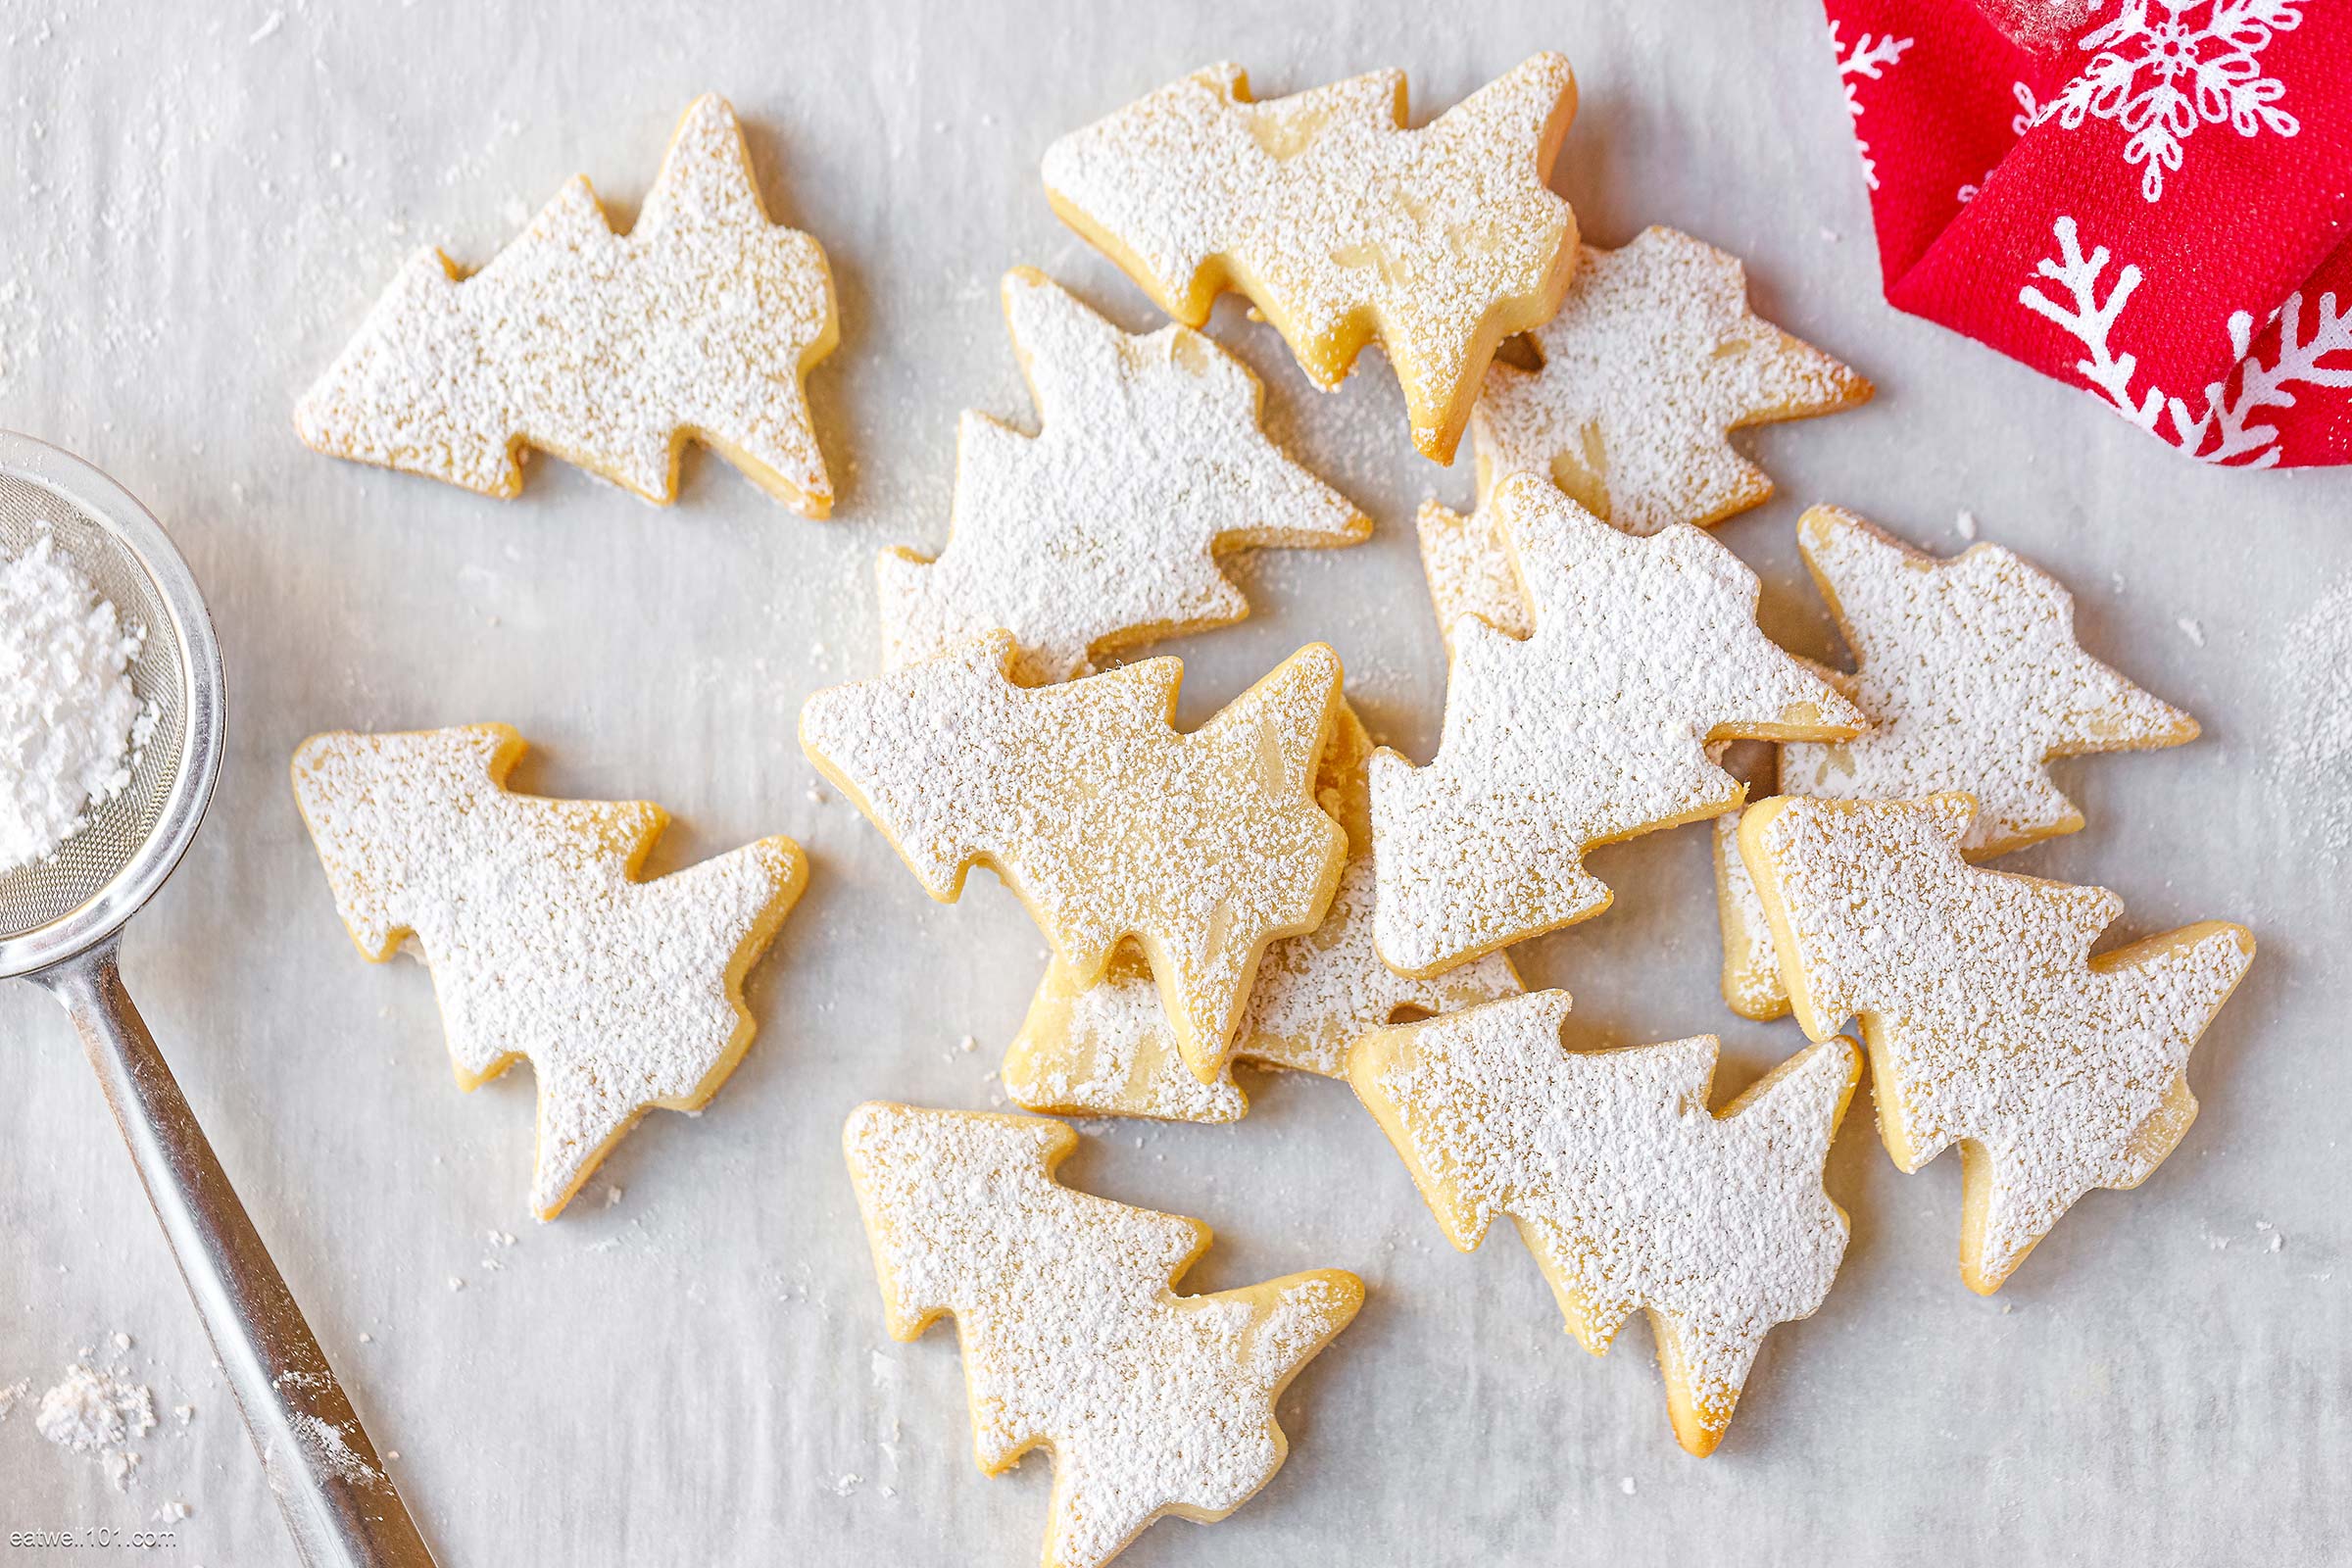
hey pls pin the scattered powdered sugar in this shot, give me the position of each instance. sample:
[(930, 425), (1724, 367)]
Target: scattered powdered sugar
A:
[(1072, 1336), (327, 1445), (71, 726), (1970, 674), (2310, 750), (98, 1415), (1627, 1191), (1986, 1018), (12, 1393), (1102, 530), (1106, 821), (1592, 729), (1106, 1048), (1653, 357), (623, 994), (1337, 222), (601, 349)]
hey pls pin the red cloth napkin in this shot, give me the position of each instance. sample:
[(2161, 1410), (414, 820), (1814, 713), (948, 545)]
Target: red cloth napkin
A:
[(2148, 197)]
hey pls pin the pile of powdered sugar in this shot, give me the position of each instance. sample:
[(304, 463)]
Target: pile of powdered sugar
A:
[(71, 727), (95, 1414)]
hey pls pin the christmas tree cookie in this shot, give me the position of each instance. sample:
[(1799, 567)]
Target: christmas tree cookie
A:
[(1107, 1050), (609, 351), (1990, 1024), (1624, 1186), (1109, 824), (1104, 530), (1595, 728), (623, 994), (1340, 224), (1074, 1340), (1467, 564), (1971, 679), (1653, 359)]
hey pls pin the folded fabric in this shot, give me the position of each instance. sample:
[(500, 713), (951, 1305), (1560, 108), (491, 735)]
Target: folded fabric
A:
[(2151, 198)]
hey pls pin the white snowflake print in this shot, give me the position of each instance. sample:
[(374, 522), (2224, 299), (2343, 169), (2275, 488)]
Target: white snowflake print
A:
[(2224, 430), (2161, 69), (2019, 124), (1867, 58)]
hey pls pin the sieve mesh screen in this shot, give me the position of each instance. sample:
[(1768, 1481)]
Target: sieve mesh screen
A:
[(35, 896)]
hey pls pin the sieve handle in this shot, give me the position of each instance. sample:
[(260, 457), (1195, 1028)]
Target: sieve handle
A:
[(338, 1501)]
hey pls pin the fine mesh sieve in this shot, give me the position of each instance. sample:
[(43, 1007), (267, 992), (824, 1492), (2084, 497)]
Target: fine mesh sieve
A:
[(60, 922), (44, 893)]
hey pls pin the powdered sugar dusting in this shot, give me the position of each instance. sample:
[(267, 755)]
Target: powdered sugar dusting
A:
[(1467, 562), (1988, 1023), (1630, 1193), (71, 727), (1106, 1048), (1106, 821), (1653, 357), (1969, 672), (1590, 730), (1072, 1336), (607, 351), (1337, 222), (1102, 530), (623, 994)]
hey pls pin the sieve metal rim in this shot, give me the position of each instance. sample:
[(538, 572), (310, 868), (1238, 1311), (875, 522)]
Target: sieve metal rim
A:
[(33, 461)]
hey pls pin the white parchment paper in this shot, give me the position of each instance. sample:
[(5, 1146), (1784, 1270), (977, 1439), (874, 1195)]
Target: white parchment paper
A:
[(199, 203)]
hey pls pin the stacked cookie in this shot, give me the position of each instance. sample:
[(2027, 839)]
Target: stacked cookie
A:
[(1271, 887)]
